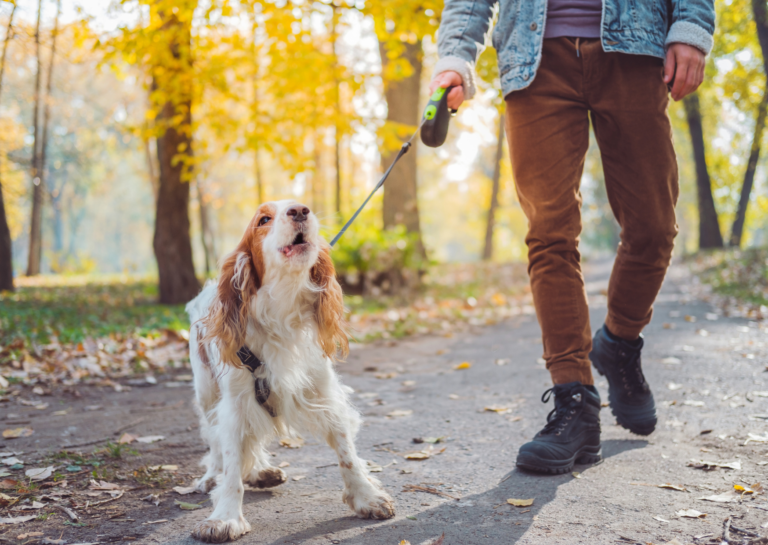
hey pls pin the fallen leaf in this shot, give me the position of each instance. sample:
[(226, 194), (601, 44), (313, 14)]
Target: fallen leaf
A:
[(292, 442), (754, 438), (153, 498), (501, 409), (520, 503), (284, 464), (12, 461), (373, 467), (26, 535), (502, 361), (673, 487), (410, 517), (39, 473), (150, 439), (385, 376), (672, 386), (432, 440), (463, 365), (672, 361), (103, 485), (184, 490), (187, 506), (693, 403), (41, 406), (576, 474), (711, 316), (661, 519), (453, 396), (169, 467), (60, 413), (299, 477), (667, 325), (400, 412), (8, 484), (17, 432), (17, 520), (34, 505), (153, 522), (439, 541), (689, 318), (408, 383), (127, 439), (726, 497), (421, 455), (691, 513), (708, 466)]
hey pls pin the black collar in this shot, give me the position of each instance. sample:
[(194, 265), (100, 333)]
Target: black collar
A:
[(249, 359), (252, 362)]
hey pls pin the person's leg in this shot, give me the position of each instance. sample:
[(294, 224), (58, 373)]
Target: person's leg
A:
[(629, 100), (548, 134)]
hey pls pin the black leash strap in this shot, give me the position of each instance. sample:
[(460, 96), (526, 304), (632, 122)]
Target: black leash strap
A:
[(252, 362), (403, 150)]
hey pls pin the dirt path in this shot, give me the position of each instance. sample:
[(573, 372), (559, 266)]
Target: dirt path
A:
[(713, 381)]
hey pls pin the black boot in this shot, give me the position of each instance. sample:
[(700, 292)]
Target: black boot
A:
[(572, 433), (629, 395)]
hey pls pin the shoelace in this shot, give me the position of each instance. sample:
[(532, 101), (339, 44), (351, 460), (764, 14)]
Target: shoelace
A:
[(632, 377), (565, 408)]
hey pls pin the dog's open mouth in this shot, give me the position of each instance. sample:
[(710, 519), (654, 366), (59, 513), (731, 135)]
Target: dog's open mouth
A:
[(298, 246)]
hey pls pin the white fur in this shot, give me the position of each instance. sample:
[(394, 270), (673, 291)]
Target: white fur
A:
[(306, 392)]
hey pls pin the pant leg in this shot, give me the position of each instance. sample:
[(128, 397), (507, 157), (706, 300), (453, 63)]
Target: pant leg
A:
[(628, 99), (548, 132)]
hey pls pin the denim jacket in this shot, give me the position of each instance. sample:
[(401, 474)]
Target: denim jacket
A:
[(638, 27)]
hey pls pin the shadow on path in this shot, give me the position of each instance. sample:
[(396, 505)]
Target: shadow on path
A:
[(473, 520)]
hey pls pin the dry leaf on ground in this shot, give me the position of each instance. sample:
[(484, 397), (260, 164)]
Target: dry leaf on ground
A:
[(385, 376), (754, 438), (691, 513), (11, 461), (103, 485), (184, 490), (299, 477), (127, 439), (673, 487), (187, 506), (284, 464), (292, 442), (660, 519), (501, 409), (16, 520), (39, 473), (694, 403), (726, 497), (672, 361), (150, 439), (463, 365), (400, 412), (17, 432), (708, 466), (520, 503), (428, 490)]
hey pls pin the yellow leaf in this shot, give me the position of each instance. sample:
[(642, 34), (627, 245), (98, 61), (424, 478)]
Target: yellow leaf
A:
[(520, 503), (463, 365)]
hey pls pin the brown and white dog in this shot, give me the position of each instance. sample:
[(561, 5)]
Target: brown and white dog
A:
[(277, 294)]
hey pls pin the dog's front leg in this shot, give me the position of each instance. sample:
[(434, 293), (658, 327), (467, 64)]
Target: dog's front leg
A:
[(362, 493), (227, 522)]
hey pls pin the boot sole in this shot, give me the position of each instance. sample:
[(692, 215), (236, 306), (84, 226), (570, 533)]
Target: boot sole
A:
[(623, 420), (585, 455)]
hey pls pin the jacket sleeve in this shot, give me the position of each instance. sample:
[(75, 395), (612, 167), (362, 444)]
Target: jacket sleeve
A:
[(693, 23), (462, 36)]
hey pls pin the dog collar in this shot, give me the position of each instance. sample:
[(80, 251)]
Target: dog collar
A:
[(252, 362)]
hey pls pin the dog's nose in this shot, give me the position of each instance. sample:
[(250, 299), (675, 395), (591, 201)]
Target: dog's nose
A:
[(298, 212)]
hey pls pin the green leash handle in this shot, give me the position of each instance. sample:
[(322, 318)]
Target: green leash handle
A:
[(436, 118)]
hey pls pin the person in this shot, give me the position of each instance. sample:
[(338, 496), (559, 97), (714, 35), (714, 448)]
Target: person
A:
[(562, 64)]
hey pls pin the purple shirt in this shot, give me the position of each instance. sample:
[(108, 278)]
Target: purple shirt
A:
[(573, 18)]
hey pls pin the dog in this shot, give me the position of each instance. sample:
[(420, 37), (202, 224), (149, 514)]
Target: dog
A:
[(277, 295)]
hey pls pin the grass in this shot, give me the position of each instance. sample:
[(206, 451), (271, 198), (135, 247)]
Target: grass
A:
[(72, 309), (741, 274)]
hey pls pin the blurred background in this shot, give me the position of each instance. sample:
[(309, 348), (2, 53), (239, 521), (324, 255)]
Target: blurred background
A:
[(137, 138)]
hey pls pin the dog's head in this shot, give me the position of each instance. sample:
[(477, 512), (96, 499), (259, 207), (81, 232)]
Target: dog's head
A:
[(282, 243)]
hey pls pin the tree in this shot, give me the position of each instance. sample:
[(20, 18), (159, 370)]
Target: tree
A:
[(760, 13), (709, 227), (36, 222), (6, 249), (172, 95), (495, 182)]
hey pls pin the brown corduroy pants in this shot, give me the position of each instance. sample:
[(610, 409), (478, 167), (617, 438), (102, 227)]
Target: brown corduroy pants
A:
[(548, 132)]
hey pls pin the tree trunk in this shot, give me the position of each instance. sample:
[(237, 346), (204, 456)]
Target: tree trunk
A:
[(401, 205), (36, 221), (206, 233), (488, 248), (151, 170), (337, 128), (709, 228), (6, 247), (172, 243), (737, 230), (47, 99), (760, 13)]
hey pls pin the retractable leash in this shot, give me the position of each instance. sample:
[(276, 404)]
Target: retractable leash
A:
[(434, 129)]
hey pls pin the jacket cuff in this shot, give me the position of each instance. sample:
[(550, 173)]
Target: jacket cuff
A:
[(683, 32), (464, 69)]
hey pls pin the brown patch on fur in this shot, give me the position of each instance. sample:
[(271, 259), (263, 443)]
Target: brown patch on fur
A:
[(268, 478), (346, 465), (227, 320), (329, 307)]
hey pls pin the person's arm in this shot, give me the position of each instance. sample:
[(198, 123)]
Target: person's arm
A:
[(688, 42), (463, 30)]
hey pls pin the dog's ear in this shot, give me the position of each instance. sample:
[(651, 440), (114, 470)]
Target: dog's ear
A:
[(227, 320), (329, 307)]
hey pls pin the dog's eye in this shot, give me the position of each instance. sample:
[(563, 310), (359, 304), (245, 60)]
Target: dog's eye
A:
[(264, 220)]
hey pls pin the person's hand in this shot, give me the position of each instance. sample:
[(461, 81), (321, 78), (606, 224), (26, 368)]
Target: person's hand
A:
[(685, 67), (449, 79)]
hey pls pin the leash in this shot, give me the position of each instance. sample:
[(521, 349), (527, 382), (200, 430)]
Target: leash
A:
[(433, 128)]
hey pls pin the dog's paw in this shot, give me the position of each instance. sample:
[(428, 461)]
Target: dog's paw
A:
[(219, 531), (370, 502), (266, 478), (205, 484)]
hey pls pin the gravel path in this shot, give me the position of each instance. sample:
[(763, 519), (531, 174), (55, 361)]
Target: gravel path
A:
[(708, 377)]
